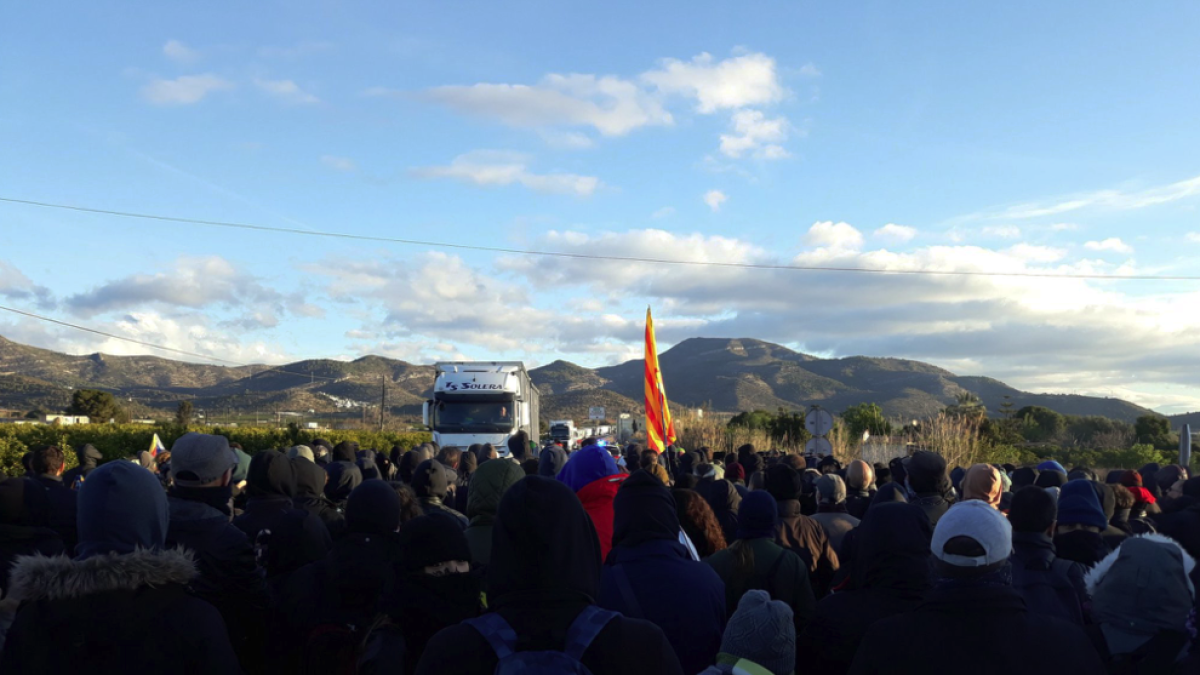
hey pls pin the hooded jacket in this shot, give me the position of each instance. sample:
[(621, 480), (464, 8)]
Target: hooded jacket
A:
[(343, 478), (489, 484), (650, 575), (310, 496), (1034, 552), (551, 461), (889, 576), (545, 569), (724, 500), (800, 533), (24, 530), (593, 475), (89, 457), (123, 577), (431, 481), (291, 537)]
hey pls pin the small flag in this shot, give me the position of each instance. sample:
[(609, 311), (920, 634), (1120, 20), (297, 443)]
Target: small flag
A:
[(156, 446), (660, 430)]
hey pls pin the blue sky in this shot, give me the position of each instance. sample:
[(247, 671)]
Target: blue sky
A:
[(953, 136)]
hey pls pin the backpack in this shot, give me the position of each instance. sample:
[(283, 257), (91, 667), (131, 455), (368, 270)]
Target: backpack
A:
[(1048, 590), (503, 640)]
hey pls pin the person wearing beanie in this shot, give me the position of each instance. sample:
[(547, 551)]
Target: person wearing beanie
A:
[(860, 487), (760, 637), (1144, 501), (1024, 477), (651, 575), (1107, 496), (983, 482), (889, 575), (754, 561), (1049, 478), (1142, 604), (928, 483), (593, 475), (432, 481), (1080, 521), (541, 584), (831, 510), (1049, 584), (488, 486), (1051, 465), (89, 458), (971, 603), (798, 532), (91, 613), (270, 486)]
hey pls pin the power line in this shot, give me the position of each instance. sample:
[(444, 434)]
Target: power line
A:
[(151, 345), (590, 256)]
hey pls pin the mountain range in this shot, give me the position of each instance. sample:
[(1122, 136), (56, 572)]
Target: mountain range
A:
[(718, 374)]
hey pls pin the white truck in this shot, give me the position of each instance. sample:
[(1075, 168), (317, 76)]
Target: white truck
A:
[(564, 431), (481, 402)]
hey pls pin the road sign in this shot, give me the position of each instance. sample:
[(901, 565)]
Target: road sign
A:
[(596, 413), (818, 446), (818, 421)]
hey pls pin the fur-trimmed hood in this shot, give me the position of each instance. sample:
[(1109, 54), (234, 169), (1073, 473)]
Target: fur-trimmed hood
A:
[(1095, 575), (40, 577), (1140, 589)]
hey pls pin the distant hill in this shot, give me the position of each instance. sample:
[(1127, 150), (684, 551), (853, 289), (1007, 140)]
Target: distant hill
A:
[(723, 375)]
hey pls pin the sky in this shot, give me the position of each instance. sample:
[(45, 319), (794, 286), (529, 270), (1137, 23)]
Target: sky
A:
[(1024, 137)]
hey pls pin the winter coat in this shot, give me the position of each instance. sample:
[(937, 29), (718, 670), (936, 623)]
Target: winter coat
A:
[(934, 504), (777, 570), (545, 570), (1183, 526), (89, 456), (1034, 552), (431, 483), (1081, 546), (858, 501), (807, 538), (24, 520), (889, 576), (310, 496), (343, 478), (724, 499), (291, 537), (837, 524), (593, 475), (490, 482), (959, 628), (650, 575), (62, 503), (114, 613), (227, 576)]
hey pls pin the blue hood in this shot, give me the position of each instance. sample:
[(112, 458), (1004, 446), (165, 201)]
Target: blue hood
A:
[(122, 507), (587, 465)]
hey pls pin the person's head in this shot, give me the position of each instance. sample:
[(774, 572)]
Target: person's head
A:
[(271, 475), (518, 446), (643, 510), (449, 456), (926, 472), (983, 482), (745, 451), (202, 460), (121, 508), (410, 506), (762, 631), (1081, 473), (487, 452), (587, 465), (431, 480), (971, 539), (1123, 497), (1024, 477), (859, 475), (301, 451), (1050, 478), (758, 515), (488, 485), (433, 545), (697, 519), (1131, 479), (1033, 511), (467, 463), (346, 451), (888, 493), (310, 478), (883, 473), (88, 455), (828, 465), (783, 483), (373, 508), (735, 473), (892, 548), (831, 489), (1079, 508), (530, 466), (47, 460)]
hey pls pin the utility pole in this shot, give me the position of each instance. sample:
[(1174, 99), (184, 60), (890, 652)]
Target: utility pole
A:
[(382, 399)]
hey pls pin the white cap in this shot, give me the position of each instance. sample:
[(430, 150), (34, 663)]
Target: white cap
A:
[(979, 521)]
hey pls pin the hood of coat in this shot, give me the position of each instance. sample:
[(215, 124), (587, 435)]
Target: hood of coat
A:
[(643, 510), (88, 455), (893, 548), (61, 578), (310, 478), (121, 508), (432, 479), (586, 466), (343, 478), (271, 474), (551, 461), (488, 485), (1143, 587)]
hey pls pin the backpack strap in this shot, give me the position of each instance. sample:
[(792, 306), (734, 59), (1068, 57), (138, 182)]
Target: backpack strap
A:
[(497, 632), (627, 594), (584, 629)]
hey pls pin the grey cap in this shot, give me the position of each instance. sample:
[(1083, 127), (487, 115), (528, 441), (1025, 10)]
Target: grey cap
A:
[(979, 521), (832, 488), (762, 631), (200, 458), (301, 451)]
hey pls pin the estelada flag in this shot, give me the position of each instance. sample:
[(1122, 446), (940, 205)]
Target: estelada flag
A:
[(660, 430), (156, 446)]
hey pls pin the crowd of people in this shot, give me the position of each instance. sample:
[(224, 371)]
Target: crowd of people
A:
[(334, 559)]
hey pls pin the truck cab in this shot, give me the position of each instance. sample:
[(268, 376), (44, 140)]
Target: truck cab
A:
[(481, 402)]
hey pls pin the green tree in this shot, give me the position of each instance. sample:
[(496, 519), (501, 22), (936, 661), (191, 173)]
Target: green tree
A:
[(757, 419), (1040, 424), (1154, 430), (183, 414), (99, 406), (1007, 408), (967, 404), (34, 414), (866, 417)]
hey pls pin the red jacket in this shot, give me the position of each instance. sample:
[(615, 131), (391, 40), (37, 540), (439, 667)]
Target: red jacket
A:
[(597, 497)]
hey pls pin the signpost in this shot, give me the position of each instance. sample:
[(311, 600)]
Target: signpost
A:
[(596, 413), (819, 422)]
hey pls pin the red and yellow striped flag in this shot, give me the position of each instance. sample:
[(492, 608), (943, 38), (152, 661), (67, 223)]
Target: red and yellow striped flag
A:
[(660, 430)]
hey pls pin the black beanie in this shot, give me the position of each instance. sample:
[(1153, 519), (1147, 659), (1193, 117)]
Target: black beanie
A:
[(431, 539), (373, 508), (345, 451), (430, 479), (783, 482), (926, 471)]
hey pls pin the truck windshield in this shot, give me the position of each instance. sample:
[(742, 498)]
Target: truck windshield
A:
[(473, 417), (560, 431)]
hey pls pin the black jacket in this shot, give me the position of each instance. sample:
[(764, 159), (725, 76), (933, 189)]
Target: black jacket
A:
[(545, 569), (1035, 551), (889, 576), (974, 630), (292, 537), (89, 456), (61, 500), (934, 504), (310, 496), (122, 614)]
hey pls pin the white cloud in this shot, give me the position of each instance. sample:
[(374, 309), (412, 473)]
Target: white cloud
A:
[(286, 90), (714, 199), (737, 82), (566, 140), (611, 105), (1100, 200), (338, 163), (1036, 254), (183, 90), (756, 134), (834, 236), (14, 285), (1063, 227), (664, 212), (490, 168), (1003, 231), (1113, 244), (810, 70), (896, 233), (1193, 237), (179, 52)]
